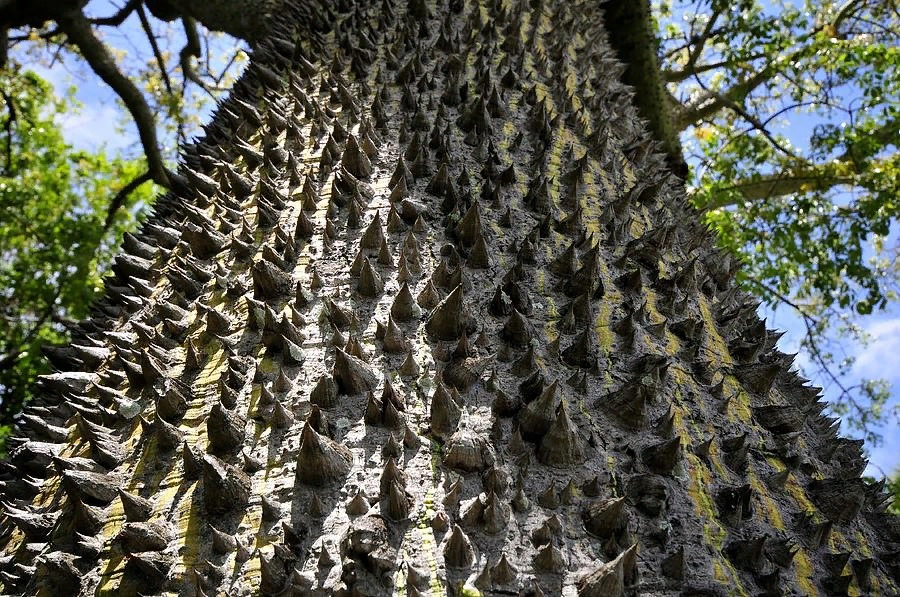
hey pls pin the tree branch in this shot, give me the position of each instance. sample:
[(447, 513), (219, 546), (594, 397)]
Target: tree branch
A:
[(680, 75), (157, 55), (711, 102), (755, 122), (700, 41), (120, 15), (4, 46), (119, 200), (241, 19), (11, 106), (192, 49), (161, 63), (815, 178), (806, 177), (78, 30), (843, 14)]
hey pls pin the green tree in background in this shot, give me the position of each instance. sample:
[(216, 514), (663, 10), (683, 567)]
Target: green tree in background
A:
[(788, 112), (55, 239)]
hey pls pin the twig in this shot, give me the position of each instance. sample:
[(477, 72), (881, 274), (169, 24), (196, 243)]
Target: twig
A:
[(151, 37), (759, 126), (227, 66), (161, 63)]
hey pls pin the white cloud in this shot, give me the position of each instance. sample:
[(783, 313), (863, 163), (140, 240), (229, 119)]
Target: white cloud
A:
[(881, 358), (95, 125), (885, 459)]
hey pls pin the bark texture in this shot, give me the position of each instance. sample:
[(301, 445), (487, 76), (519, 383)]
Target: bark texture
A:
[(428, 315), (631, 31)]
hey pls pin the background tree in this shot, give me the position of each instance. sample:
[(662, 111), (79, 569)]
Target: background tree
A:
[(788, 113), (77, 203), (57, 237)]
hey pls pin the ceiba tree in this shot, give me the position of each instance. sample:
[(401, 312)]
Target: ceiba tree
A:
[(426, 311)]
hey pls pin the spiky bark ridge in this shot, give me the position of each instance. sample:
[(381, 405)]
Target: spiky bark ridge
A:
[(613, 416)]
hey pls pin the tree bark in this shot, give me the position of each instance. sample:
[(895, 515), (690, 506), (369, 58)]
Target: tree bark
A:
[(428, 313), (631, 33)]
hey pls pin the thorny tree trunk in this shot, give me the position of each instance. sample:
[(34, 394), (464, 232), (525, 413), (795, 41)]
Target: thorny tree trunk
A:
[(430, 311)]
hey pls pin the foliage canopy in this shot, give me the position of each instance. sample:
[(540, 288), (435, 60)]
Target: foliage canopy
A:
[(54, 239)]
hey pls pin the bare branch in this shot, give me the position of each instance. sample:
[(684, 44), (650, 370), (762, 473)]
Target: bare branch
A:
[(119, 200), (680, 75), (218, 79), (120, 15), (192, 49), (78, 30), (161, 63), (151, 37), (47, 35)]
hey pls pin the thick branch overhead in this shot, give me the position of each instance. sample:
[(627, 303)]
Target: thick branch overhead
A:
[(78, 30)]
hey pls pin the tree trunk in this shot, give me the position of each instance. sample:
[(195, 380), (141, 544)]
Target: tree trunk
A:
[(427, 313)]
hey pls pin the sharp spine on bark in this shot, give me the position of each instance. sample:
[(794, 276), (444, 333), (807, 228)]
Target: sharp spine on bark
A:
[(320, 460), (605, 518), (359, 505), (611, 578), (562, 445), (404, 307), (537, 416), (447, 320), (661, 458), (351, 374), (225, 488), (444, 413), (458, 551)]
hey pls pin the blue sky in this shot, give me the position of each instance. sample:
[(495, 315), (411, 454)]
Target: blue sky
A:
[(880, 359), (100, 124)]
